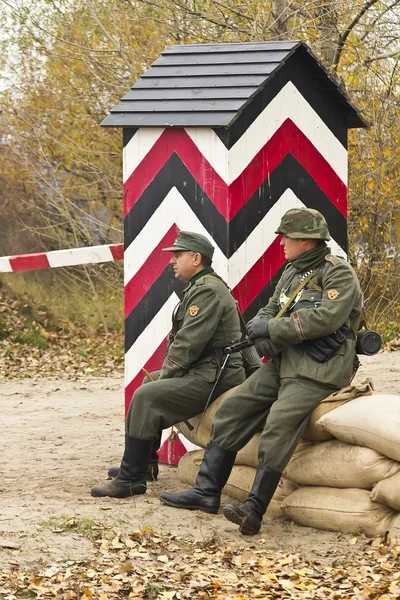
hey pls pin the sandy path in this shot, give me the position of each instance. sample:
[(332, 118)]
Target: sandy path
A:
[(58, 437)]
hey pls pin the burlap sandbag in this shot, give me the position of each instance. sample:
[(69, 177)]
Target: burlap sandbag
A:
[(388, 492), (373, 422), (348, 511), (239, 483), (340, 465), (314, 431), (394, 531)]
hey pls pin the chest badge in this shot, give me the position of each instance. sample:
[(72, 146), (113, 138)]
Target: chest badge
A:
[(193, 310), (333, 294)]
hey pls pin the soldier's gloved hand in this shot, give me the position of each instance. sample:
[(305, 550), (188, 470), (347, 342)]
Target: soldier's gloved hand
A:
[(266, 348), (257, 328)]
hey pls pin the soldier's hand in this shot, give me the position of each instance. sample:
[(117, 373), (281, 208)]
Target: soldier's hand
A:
[(257, 328), (266, 348)]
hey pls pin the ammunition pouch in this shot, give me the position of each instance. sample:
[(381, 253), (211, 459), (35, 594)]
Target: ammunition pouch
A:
[(322, 349)]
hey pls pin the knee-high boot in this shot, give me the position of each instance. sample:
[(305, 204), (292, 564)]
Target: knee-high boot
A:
[(249, 515), (152, 471), (131, 479), (205, 495)]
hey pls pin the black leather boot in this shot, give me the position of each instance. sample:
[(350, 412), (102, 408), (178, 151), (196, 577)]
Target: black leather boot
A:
[(152, 471), (249, 515), (205, 495), (131, 479)]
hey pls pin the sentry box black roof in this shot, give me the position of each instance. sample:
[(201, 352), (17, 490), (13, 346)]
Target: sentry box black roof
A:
[(210, 85)]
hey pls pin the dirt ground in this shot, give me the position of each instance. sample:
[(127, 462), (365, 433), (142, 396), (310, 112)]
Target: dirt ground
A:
[(57, 439)]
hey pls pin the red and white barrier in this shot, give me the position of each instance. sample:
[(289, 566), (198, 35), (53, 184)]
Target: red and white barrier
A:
[(62, 258)]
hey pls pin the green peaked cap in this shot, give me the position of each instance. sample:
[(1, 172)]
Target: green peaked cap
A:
[(192, 242)]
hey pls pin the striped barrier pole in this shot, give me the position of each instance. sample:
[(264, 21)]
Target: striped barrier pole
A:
[(61, 258)]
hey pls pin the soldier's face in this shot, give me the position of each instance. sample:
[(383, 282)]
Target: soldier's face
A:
[(185, 264), (295, 248)]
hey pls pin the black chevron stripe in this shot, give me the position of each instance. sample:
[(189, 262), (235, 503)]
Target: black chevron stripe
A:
[(230, 236), (303, 74), (155, 298)]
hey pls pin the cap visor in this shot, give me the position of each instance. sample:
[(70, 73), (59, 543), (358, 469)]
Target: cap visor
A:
[(174, 249)]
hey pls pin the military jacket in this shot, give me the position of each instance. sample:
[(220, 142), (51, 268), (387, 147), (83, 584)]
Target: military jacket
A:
[(315, 314), (207, 318)]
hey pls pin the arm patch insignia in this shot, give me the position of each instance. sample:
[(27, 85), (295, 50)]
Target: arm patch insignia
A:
[(193, 310), (333, 294)]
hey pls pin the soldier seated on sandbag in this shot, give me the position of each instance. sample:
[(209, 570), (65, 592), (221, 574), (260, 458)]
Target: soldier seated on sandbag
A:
[(203, 324), (307, 333)]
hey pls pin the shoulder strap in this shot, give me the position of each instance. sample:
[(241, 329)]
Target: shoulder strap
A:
[(296, 291)]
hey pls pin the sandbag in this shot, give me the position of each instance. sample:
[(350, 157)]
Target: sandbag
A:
[(394, 531), (346, 510), (373, 422), (313, 431), (239, 483), (387, 492), (340, 465)]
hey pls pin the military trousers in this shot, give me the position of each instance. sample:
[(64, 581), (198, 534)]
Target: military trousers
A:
[(165, 402), (280, 407)]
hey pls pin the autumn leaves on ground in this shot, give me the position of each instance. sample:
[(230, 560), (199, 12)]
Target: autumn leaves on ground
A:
[(61, 433)]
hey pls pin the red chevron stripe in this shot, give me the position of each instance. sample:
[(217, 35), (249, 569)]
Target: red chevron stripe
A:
[(153, 364), (230, 199), (256, 278), (149, 272)]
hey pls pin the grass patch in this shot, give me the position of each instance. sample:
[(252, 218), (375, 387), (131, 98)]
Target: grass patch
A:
[(72, 296), (152, 591), (85, 527)]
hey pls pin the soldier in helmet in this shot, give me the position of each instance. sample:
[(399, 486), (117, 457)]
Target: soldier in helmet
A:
[(307, 333), (204, 323)]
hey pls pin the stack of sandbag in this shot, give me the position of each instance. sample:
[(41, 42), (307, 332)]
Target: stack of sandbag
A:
[(351, 483), (198, 430)]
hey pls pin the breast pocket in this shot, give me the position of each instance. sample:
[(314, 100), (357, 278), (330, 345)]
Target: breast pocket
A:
[(309, 299)]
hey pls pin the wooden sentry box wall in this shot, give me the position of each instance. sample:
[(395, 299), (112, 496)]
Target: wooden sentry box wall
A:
[(222, 139)]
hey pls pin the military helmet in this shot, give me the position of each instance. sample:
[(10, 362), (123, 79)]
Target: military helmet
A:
[(304, 223)]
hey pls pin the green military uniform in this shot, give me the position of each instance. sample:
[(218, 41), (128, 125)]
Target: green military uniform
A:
[(204, 322), (279, 397)]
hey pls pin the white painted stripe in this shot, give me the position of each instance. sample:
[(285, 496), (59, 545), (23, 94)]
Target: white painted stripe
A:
[(137, 148), (5, 266), (79, 256), (212, 149), (289, 103), (173, 210), (149, 340)]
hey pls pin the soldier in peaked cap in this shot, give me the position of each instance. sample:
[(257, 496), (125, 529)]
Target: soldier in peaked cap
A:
[(307, 331), (204, 322)]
